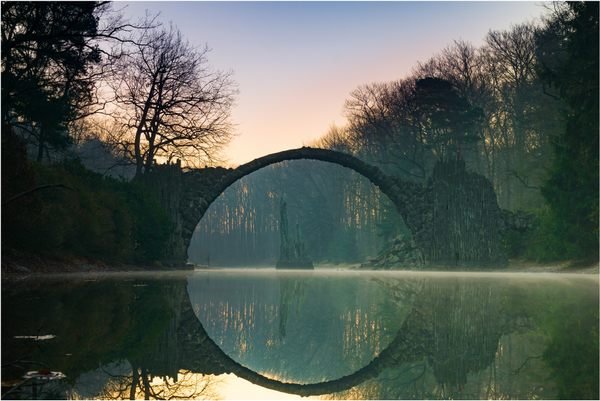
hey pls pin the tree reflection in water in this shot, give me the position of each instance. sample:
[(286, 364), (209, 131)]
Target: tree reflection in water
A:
[(139, 384), (132, 321), (489, 339), (457, 338)]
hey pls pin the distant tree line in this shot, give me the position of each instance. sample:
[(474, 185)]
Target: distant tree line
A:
[(522, 110)]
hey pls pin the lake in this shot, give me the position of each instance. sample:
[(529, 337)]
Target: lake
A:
[(326, 334)]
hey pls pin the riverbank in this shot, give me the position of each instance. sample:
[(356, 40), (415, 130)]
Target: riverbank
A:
[(20, 264), (553, 267)]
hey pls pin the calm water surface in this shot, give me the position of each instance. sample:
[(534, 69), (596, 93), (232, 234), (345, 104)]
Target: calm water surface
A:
[(258, 334)]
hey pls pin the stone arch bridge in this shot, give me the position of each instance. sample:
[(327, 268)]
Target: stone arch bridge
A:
[(454, 217)]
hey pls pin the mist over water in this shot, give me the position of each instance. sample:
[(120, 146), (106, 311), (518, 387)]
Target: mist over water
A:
[(314, 326), (375, 260), (406, 334)]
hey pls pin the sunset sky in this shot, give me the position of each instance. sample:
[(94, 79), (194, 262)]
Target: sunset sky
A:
[(295, 63)]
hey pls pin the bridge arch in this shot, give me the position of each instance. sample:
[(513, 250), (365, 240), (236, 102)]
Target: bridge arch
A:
[(195, 203)]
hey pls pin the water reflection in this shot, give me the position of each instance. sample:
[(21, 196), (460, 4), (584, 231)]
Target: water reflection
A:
[(296, 327), (115, 339), (140, 383), (379, 336)]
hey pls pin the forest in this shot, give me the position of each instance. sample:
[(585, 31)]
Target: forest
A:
[(92, 103), (508, 108)]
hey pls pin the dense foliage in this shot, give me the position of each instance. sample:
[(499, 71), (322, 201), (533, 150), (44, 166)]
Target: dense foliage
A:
[(521, 110), (568, 54), (56, 60), (46, 60), (529, 101), (85, 214)]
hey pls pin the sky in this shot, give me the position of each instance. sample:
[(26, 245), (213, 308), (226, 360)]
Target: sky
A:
[(295, 63)]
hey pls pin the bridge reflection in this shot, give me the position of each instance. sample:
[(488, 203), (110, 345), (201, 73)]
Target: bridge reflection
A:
[(444, 328), (449, 331), (452, 328)]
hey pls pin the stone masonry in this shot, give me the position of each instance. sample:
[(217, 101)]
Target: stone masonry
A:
[(454, 218)]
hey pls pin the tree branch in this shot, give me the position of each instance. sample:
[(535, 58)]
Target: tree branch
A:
[(30, 191)]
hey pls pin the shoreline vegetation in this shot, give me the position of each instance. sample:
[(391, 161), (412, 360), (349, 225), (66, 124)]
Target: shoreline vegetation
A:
[(19, 265), (64, 212)]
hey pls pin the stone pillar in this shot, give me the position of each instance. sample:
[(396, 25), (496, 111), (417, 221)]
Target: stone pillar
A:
[(466, 222)]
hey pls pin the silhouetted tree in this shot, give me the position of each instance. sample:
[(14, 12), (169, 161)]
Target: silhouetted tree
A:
[(405, 126), (446, 118), (335, 139), (384, 128), (172, 105), (510, 63), (463, 66), (46, 54)]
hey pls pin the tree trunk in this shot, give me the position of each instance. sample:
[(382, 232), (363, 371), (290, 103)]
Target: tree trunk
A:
[(139, 160), (40, 152)]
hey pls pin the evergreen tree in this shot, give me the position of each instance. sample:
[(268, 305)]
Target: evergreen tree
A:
[(567, 50), (46, 55)]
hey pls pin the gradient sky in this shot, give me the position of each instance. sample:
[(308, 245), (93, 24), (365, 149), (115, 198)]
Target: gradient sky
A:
[(295, 63)]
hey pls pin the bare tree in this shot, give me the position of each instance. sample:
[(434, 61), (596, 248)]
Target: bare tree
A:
[(462, 64), (141, 384), (384, 124), (336, 138), (170, 103), (518, 119), (523, 115)]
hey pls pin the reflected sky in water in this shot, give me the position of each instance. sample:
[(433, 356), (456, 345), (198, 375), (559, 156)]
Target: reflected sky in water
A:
[(379, 335), (297, 327)]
